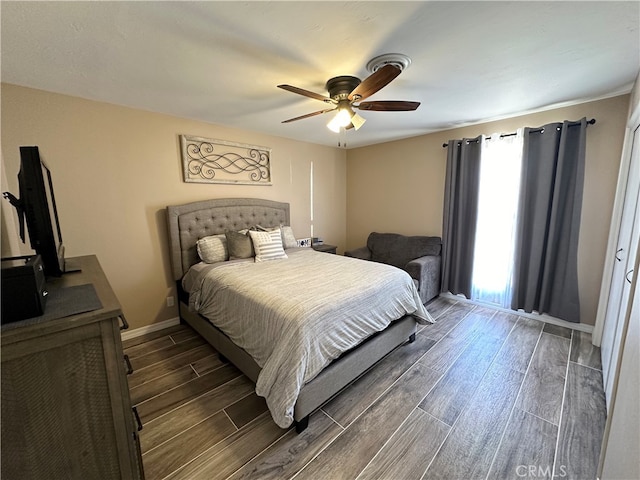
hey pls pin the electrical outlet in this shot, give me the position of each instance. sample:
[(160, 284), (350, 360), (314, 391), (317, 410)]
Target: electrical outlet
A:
[(170, 302)]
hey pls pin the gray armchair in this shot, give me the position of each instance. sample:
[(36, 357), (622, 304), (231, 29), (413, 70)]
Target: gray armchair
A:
[(419, 256)]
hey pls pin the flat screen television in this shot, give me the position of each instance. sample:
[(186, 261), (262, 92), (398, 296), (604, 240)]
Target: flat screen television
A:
[(37, 204)]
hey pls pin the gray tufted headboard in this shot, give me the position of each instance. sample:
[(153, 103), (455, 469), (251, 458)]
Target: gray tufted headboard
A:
[(190, 222)]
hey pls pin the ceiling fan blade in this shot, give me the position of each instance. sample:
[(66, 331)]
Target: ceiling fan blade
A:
[(306, 93), (374, 82), (388, 106), (320, 112)]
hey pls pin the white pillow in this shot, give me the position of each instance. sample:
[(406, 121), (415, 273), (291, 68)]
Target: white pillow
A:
[(288, 238), (213, 249), (268, 245)]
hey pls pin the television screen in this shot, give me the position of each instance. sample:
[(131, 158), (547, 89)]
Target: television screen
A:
[(39, 205)]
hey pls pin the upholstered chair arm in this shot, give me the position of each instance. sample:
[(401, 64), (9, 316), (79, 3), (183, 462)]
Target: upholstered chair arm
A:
[(363, 252), (426, 270)]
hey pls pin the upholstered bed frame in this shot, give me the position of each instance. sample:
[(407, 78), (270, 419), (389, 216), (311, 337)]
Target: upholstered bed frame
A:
[(190, 222)]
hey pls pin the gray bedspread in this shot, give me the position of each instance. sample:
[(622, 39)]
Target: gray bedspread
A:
[(295, 315)]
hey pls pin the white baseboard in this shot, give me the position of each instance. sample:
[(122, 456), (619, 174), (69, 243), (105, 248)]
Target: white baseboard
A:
[(127, 334), (582, 327)]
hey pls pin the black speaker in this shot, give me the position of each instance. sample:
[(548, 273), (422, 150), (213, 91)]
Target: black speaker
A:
[(24, 292)]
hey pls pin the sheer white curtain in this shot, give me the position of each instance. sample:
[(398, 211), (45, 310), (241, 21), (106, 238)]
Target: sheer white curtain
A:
[(500, 168)]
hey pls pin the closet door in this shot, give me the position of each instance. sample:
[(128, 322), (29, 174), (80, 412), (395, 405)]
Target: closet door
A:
[(626, 251)]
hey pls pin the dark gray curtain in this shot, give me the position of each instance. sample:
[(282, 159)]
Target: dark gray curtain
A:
[(460, 214), (546, 253)]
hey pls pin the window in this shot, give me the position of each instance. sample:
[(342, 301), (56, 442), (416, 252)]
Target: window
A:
[(500, 166)]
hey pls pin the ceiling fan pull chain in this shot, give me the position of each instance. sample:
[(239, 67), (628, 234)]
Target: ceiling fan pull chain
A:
[(342, 140)]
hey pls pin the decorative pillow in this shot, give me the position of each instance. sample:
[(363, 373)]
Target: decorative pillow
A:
[(288, 238), (268, 245), (213, 249), (239, 245)]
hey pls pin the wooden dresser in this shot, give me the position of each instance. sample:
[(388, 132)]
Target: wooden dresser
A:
[(65, 403)]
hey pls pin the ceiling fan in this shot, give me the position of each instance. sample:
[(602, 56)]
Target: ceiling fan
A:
[(347, 93)]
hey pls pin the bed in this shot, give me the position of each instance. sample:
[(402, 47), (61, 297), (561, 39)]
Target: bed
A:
[(226, 294)]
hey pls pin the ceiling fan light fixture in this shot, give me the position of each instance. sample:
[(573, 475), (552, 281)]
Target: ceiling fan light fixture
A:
[(357, 121), (341, 120)]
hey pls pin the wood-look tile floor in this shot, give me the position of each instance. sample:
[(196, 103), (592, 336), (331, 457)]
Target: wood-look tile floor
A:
[(480, 394)]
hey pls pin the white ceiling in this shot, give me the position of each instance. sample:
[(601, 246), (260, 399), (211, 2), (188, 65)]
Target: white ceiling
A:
[(220, 62)]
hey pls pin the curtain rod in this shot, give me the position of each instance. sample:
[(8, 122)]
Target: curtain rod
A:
[(589, 122)]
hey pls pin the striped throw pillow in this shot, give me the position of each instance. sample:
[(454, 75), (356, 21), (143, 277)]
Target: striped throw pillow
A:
[(268, 245), (288, 238)]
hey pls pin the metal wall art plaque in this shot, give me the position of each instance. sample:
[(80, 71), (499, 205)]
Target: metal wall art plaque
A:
[(206, 160)]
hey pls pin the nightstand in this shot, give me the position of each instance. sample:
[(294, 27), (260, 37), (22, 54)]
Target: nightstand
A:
[(323, 247)]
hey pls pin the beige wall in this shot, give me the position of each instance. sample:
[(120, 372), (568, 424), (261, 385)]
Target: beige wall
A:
[(399, 186), (115, 169)]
